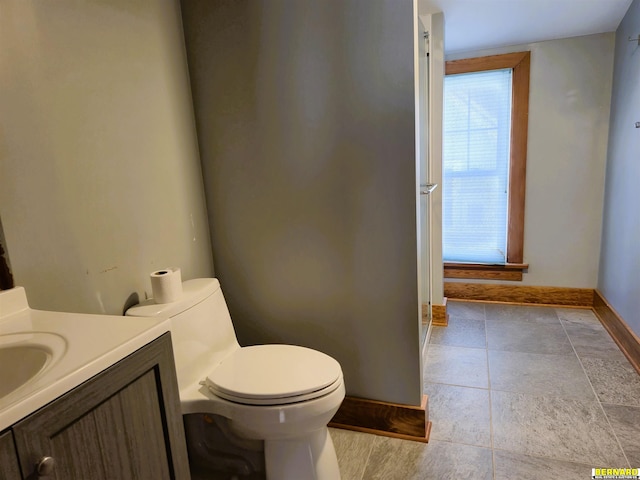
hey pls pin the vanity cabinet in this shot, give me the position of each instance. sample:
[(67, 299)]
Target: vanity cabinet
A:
[(9, 469), (124, 423)]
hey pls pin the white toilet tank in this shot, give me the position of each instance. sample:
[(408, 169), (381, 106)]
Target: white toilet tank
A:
[(201, 329)]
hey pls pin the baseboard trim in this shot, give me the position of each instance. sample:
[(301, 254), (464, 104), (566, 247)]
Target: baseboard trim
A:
[(576, 297), (408, 422), (621, 333), (439, 315)]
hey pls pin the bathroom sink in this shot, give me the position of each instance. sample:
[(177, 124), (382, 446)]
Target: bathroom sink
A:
[(24, 356), (27, 362), (45, 354)]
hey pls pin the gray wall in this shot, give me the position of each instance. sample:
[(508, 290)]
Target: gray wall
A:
[(619, 278), (305, 116), (569, 102), (100, 180)]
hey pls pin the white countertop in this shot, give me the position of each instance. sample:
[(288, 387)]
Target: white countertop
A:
[(83, 345)]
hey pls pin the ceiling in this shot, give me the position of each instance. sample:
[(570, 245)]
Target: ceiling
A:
[(479, 24)]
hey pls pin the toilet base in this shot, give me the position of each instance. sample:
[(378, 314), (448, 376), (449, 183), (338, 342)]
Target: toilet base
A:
[(215, 452), (308, 457)]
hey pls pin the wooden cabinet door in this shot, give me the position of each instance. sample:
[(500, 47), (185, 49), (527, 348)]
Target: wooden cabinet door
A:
[(9, 469), (125, 423)]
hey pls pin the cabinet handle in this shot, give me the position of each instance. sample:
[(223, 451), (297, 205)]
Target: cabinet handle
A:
[(45, 466)]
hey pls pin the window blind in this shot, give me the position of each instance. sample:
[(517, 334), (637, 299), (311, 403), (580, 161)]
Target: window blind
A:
[(477, 132)]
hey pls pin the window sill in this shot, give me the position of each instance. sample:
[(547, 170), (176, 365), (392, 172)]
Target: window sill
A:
[(509, 271)]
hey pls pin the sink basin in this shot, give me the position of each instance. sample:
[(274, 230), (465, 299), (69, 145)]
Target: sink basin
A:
[(24, 356), (45, 354), (26, 363)]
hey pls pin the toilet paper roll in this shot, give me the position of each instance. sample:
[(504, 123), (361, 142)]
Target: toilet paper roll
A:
[(166, 285)]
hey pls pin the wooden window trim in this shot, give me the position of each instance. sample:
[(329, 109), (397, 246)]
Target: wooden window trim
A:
[(519, 62)]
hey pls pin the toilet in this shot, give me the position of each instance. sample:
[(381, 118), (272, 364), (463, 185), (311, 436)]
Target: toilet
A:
[(284, 395)]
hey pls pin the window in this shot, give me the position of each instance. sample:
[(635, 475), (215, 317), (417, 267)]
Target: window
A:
[(484, 161)]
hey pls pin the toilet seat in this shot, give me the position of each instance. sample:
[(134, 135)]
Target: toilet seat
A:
[(274, 375)]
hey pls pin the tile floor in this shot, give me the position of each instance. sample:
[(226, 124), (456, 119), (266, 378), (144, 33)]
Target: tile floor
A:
[(515, 392)]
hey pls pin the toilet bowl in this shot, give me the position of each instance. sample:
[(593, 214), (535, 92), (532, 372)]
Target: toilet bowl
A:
[(284, 395)]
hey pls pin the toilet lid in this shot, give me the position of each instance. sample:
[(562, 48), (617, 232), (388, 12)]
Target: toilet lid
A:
[(273, 374)]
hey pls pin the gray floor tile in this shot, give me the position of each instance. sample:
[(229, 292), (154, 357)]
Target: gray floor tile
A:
[(626, 424), (467, 310), (461, 332), (614, 380), (353, 450), (591, 339), (393, 459), (510, 313), (554, 427), (529, 337), (466, 367), (510, 466), (562, 433), (537, 374), (459, 414), (580, 316)]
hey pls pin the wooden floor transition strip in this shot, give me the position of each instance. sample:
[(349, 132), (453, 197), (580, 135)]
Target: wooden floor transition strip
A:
[(408, 422)]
